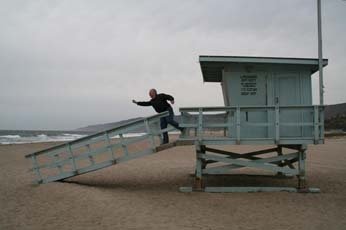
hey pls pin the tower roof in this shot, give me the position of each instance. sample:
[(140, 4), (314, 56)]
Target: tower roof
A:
[(212, 66)]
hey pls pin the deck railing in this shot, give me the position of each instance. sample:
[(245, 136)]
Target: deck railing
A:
[(300, 124)]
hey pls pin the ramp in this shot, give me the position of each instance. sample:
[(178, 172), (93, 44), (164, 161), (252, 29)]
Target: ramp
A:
[(99, 150)]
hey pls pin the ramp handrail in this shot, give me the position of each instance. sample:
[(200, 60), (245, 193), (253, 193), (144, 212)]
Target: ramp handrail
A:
[(98, 150), (164, 114)]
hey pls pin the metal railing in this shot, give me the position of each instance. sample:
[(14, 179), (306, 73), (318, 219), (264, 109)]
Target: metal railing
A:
[(299, 124), (98, 150)]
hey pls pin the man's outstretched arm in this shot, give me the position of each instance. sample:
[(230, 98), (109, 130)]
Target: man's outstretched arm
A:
[(142, 103)]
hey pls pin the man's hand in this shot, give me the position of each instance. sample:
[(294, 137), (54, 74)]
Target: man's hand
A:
[(172, 102), (133, 101)]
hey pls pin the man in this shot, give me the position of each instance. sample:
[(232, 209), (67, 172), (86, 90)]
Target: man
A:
[(160, 104)]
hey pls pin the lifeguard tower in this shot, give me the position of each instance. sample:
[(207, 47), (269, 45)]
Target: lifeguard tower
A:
[(268, 101)]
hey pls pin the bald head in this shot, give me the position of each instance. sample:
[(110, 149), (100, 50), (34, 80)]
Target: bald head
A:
[(152, 93)]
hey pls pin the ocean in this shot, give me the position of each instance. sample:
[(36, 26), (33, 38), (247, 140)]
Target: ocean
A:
[(36, 136), (8, 137)]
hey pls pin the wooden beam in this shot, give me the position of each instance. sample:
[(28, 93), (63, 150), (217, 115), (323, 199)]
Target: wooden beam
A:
[(248, 189), (262, 163)]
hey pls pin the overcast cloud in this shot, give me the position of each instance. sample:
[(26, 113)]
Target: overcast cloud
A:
[(68, 64)]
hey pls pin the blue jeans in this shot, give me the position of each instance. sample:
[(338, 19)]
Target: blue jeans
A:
[(164, 121)]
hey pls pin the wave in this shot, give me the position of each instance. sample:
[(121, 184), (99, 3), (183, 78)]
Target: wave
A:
[(17, 139), (10, 136), (73, 135)]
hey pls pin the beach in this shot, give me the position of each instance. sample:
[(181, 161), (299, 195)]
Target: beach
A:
[(144, 194)]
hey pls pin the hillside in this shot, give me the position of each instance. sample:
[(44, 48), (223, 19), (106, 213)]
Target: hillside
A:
[(335, 117), (335, 110)]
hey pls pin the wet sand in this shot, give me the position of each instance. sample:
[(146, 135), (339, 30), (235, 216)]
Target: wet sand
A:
[(143, 194)]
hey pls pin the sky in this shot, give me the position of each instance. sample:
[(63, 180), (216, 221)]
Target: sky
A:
[(67, 64)]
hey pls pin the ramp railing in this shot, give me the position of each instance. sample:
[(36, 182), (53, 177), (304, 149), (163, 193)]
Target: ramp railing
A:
[(98, 150), (300, 124)]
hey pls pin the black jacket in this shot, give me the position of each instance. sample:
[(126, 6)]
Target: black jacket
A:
[(159, 103)]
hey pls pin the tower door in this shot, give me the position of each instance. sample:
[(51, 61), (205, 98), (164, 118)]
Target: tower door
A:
[(287, 92)]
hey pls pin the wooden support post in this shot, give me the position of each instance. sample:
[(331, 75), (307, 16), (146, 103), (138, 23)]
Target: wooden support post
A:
[(301, 168), (200, 150), (287, 162), (277, 125), (229, 122), (200, 124), (238, 125), (316, 125), (279, 151), (204, 164), (321, 122)]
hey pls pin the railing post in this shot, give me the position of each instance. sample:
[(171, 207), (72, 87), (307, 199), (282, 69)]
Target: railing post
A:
[(316, 124), (109, 145), (151, 137), (229, 122), (238, 124), (185, 132), (277, 124), (56, 160), (91, 158), (321, 122), (123, 146), (200, 124), (69, 148)]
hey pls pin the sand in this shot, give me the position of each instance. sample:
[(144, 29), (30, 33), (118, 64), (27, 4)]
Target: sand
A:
[(143, 194)]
